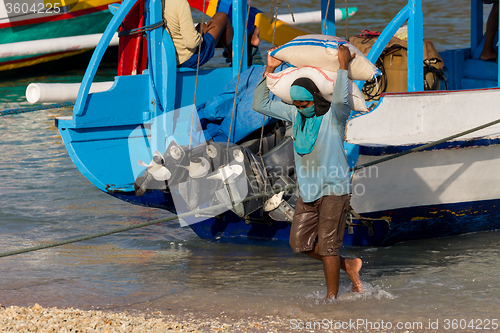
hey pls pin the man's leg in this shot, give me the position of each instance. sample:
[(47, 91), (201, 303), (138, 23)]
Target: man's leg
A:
[(331, 266), (221, 29), (350, 266), (489, 37)]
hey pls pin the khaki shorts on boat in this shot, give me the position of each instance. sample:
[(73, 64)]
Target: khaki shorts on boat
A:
[(325, 219)]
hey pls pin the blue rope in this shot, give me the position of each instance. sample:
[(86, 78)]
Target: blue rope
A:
[(19, 110)]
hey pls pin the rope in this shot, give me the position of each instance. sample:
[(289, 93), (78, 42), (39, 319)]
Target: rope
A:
[(275, 18), (8, 112), (140, 30), (346, 22), (259, 153), (239, 73), (273, 13), (197, 74), (326, 14), (140, 225)]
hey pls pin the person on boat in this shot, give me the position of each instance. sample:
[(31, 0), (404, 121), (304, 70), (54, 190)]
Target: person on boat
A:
[(322, 169), (217, 32), (489, 52)]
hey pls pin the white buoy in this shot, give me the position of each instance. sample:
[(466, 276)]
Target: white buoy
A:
[(60, 92), (315, 16)]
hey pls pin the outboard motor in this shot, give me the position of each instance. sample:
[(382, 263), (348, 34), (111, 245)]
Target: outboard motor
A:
[(218, 176)]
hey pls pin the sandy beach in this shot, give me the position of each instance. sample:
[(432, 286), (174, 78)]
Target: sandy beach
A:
[(51, 319)]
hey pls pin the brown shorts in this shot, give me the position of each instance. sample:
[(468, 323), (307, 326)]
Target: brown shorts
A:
[(325, 219)]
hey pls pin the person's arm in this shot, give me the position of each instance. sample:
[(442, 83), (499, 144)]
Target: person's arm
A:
[(340, 103), (192, 38), (261, 101)]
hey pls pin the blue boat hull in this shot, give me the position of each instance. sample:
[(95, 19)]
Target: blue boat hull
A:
[(230, 227), (440, 220), (406, 224)]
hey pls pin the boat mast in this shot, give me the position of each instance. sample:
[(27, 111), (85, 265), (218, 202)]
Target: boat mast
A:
[(239, 12), (329, 17), (415, 46)]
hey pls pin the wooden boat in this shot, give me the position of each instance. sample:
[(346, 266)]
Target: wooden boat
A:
[(35, 31), (38, 31), (447, 189), (141, 142)]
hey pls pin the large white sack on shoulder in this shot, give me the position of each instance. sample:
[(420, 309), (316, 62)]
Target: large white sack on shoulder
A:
[(321, 51), (280, 83)]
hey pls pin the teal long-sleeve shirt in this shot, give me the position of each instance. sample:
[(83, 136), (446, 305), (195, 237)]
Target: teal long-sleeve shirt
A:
[(324, 171)]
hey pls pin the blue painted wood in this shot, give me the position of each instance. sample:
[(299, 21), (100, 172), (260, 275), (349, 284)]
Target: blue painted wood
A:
[(329, 17), (466, 83), (109, 161), (352, 152), (415, 46), (240, 34), (158, 68), (111, 108), (101, 47), (459, 61), (479, 69), (449, 63), (211, 84), (495, 43), (476, 24), (113, 8)]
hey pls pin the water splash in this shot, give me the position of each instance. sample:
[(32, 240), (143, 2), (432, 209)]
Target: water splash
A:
[(369, 292)]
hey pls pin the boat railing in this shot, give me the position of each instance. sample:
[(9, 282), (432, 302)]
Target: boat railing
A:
[(163, 75), (412, 13), (89, 75)]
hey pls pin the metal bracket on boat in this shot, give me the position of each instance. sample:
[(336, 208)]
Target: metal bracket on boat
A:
[(364, 221), (278, 208), (254, 220)]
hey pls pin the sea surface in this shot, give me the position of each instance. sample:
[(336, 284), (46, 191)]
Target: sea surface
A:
[(44, 198)]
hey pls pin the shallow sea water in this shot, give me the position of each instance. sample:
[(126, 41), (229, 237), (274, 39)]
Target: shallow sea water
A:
[(43, 198)]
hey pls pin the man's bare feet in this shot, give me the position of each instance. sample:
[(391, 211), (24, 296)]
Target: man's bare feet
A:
[(489, 55), (254, 39), (352, 269)]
